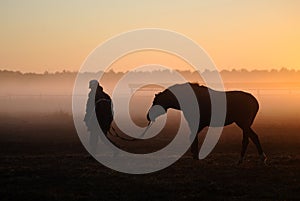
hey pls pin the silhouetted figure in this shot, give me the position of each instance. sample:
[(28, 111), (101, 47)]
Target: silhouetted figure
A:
[(241, 109), (98, 110)]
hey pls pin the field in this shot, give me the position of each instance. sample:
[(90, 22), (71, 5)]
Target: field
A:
[(42, 159)]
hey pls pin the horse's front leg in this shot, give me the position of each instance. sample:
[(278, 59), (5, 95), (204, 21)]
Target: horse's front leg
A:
[(194, 139), (194, 147), (195, 144)]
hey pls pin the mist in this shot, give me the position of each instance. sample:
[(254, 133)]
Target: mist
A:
[(278, 92)]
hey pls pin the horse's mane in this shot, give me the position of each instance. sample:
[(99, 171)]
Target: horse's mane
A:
[(194, 86)]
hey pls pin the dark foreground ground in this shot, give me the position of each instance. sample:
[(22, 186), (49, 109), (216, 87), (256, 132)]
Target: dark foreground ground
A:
[(43, 159)]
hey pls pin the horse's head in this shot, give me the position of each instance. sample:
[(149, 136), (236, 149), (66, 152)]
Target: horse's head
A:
[(162, 101)]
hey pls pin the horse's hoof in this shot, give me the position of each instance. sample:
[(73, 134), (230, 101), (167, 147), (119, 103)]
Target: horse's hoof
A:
[(265, 161), (240, 161), (263, 158)]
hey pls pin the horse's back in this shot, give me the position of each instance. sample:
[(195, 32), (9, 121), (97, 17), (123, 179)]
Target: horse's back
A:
[(241, 108), (241, 100)]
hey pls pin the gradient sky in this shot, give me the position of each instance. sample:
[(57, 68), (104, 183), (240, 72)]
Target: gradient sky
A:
[(55, 35)]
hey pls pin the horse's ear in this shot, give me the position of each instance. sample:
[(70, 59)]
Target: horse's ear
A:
[(155, 95)]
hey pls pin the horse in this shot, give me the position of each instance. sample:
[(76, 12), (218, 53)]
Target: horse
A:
[(241, 109)]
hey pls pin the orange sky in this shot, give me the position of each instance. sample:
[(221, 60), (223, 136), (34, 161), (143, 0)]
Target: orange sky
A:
[(145, 57), (54, 35)]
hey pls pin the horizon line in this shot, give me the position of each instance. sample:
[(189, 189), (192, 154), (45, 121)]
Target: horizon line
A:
[(283, 69)]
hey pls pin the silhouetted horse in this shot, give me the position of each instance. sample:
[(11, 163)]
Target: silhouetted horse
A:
[(241, 109)]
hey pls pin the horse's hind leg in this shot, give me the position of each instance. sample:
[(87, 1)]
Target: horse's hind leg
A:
[(245, 143), (249, 133), (253, 136)]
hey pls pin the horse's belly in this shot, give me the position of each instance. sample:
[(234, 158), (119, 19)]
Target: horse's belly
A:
[(228, 122), (221, 124)]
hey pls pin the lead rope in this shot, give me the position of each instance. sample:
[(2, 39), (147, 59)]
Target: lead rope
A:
[(132, 139), (148, 126), (116, 134), (114, 130)]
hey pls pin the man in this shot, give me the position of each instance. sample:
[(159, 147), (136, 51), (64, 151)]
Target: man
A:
[(98, 107)]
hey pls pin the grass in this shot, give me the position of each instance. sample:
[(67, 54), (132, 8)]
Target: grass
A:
[(43, 159)]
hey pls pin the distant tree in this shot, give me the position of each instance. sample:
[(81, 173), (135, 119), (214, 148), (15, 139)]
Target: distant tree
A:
[(243, 70), (283, 70), (273, 70)]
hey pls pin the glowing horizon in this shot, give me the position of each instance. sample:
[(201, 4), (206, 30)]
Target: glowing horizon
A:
[(40, 36)]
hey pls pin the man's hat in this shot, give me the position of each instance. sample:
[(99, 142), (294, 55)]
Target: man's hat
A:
[(93, 83)]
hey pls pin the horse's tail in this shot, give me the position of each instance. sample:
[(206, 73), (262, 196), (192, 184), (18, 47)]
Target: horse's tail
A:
[(255, 107)]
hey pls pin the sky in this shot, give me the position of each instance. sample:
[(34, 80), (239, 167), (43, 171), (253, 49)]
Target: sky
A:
[(55, 35)]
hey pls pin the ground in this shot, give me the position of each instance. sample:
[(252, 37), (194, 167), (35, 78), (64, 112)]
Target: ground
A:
[(43, 159)]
